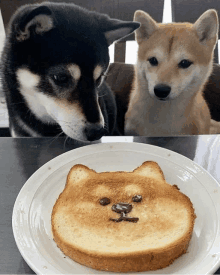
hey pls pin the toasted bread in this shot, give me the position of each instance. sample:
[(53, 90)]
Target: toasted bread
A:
[(93, 224)]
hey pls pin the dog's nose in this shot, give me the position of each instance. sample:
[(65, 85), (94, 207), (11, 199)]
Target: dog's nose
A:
[(94, 132), (122, 207), (162, 91)]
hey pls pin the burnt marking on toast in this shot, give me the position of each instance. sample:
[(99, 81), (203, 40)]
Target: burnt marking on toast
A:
[(137, 198), (104, 201), (123, 217), (123, 209)]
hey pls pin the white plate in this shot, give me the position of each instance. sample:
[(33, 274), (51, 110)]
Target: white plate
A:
[(33, 206)]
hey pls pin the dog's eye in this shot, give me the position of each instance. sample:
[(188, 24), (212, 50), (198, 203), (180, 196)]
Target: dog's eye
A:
[(153, 61), (60, 78), (184, 64)]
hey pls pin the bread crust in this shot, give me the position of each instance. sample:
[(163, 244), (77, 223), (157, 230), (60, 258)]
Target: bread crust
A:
[(122, 259)]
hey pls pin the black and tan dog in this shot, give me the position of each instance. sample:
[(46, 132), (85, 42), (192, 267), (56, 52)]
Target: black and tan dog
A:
[(54, 62)]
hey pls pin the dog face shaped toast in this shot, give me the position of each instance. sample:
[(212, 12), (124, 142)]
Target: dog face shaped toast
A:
[(120, 209)]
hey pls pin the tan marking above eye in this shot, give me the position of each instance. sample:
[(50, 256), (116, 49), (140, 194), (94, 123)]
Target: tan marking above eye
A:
[(97, 72), (102, 191), (74, 71), (133, 189)]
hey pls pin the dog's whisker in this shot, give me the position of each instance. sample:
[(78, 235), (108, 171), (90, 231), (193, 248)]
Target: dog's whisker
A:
[(64, 145), (106, 74), (102, 95), (55, 138), (71, 127), (17, 103)]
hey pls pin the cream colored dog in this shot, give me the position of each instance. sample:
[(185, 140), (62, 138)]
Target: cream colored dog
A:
[(174, 63)]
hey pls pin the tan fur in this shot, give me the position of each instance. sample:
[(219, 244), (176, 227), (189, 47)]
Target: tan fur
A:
[(184, 111), (74, 71), (43, 23), (97, 72)]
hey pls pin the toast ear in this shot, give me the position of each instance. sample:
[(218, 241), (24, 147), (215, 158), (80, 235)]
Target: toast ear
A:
[(78, 173), (150, 169), (38, 20), (148, 26), (207, 26), (118, 29)]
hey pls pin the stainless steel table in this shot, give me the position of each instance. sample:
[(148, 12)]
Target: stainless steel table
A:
[(21, 157)]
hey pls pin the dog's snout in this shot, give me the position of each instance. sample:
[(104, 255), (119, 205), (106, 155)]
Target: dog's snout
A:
[(162, 91), (94, 132)]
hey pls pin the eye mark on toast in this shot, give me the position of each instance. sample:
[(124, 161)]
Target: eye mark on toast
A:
[(104, 201), (137, 198)]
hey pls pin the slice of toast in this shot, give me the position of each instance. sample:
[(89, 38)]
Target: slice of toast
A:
[(122, 221)]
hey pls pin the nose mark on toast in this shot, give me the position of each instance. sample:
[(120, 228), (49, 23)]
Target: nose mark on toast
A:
[(97, 72), (123, 209), (74, 71)]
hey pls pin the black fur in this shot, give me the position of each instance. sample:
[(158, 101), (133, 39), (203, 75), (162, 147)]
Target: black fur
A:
[(76, 36)]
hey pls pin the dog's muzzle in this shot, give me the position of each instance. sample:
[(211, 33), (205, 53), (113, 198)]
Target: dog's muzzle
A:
[(94, 132), (162, 91)]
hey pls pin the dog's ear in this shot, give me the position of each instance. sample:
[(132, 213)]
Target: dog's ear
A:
[(38, 20), (79, 173), (207, 26), (117, 29), (148, 26)]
